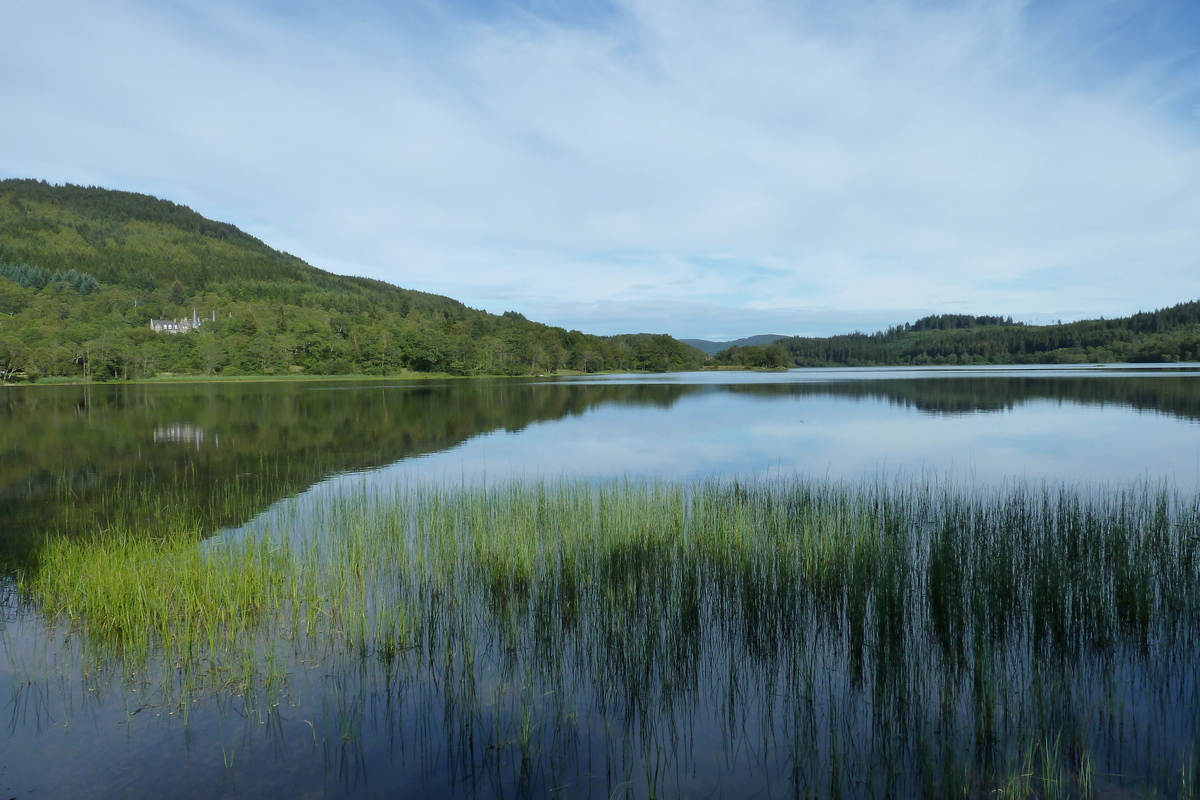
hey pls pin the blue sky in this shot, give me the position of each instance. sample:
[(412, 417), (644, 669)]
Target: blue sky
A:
[(706, 169)]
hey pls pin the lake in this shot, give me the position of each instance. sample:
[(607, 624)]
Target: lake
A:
[(843, 582)]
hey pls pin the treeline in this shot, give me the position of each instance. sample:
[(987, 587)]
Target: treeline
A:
[(946, 322), (773, 356), (1167, 335), (85, 270)]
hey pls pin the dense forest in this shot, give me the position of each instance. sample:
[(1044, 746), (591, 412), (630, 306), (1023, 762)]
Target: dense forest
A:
[(83, 270), (1166, 335)]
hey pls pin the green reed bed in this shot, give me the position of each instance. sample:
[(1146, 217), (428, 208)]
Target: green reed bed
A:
[(839, 640)]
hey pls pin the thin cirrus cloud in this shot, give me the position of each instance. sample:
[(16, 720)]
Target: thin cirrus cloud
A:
[(709, 168)]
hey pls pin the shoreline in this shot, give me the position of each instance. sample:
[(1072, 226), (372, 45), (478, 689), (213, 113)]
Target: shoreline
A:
[(403, 376)]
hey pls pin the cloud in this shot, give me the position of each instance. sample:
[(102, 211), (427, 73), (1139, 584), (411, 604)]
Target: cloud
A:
[(700, 168)]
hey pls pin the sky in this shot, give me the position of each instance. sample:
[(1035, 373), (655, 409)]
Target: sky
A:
[(709, 169)]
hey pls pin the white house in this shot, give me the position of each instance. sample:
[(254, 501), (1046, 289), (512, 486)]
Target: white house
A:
[(177, 325)]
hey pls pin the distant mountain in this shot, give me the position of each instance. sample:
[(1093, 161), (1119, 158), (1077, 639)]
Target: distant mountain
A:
[(83, 271), (712, 348)]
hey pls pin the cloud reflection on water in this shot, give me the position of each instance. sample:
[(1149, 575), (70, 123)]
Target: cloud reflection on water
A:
[(725, 431)]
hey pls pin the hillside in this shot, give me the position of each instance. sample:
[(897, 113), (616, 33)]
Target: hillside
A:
[(83, 270), (712, 348), (1167, 335)]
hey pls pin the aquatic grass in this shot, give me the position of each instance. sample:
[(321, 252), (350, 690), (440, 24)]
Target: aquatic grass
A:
[(900, 639), (128, 595)]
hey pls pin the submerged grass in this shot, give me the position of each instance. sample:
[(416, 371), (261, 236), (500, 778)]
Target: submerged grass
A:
[(852, 640)]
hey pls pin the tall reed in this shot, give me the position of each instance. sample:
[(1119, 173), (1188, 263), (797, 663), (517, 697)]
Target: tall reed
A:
[(904, 639)]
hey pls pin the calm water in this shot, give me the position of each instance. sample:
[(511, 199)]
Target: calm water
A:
[(979, 426), (1091, 425), (65, 452)]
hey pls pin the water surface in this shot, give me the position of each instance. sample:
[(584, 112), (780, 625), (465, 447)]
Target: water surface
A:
[(60, 447), (228, 452)]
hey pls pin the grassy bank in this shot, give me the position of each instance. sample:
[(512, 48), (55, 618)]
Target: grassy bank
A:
[(875, 640)]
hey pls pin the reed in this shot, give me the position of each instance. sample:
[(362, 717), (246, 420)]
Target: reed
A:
[(906, 639)]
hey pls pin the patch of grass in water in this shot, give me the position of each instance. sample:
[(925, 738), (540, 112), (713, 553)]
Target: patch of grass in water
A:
[(902, 639)]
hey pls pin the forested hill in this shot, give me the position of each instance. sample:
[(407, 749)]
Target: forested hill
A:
[(712, 348), (1169, 334), (83, 270)]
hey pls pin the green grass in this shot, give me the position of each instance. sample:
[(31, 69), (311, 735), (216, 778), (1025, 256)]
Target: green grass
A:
[(892, 640)]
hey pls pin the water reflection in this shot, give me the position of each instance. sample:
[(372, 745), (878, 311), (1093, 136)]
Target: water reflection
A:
[(726, 640), (978, 429), (183, 434), (68, 454), (70, 457), (1169, 394), (895, 646)]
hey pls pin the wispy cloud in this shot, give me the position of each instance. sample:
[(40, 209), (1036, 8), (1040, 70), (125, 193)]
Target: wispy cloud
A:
[(705, 168)]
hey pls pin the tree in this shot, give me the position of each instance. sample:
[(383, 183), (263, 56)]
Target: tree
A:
[(177, 294), (13, 355), (13, 297)]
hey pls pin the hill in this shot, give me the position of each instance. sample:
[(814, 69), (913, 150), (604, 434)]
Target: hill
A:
[(712, 348), (83, 270), (1166, 335)]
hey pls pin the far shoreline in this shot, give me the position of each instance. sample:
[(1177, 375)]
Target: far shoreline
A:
[(167, 378), (418, 377)]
